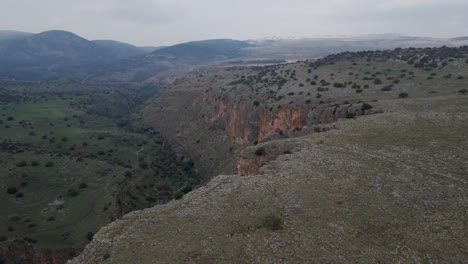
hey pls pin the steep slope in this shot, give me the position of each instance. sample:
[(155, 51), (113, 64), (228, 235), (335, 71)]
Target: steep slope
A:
[(383, 188)]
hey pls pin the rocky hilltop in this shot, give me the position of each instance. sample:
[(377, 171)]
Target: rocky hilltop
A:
[(355, 158)]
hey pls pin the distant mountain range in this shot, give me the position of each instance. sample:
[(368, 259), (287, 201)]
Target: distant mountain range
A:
[(54, 54)]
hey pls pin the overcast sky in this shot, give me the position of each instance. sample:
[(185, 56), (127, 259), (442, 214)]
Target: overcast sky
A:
[(164, 22)]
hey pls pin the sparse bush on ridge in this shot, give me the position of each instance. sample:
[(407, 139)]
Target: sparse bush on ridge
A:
[(178, 195), (272, 222), (12, 190), (403, 95)]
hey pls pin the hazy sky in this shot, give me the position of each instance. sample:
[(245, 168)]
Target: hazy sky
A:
[(163, 22)]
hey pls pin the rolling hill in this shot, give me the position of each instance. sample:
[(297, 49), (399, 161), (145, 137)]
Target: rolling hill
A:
[(54, 54), (120, 50)]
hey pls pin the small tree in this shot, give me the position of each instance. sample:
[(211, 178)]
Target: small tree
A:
[(12, 190), (272, 222), (178, 195), (403, 95)]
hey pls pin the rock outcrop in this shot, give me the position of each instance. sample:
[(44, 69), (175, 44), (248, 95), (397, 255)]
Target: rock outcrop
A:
[(253, 158), (329, 113)]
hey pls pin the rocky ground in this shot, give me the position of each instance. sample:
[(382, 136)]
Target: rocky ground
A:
[(383, 188)]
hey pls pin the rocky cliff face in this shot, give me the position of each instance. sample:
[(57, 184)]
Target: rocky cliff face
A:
[(215, 123), (245, 122)]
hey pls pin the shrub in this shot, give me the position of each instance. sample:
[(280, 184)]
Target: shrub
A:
[(260, 151), (403, 95), (321, 89), (377, 81), (89, 236), (256, 103), (386, 88), (178, 195), (10, 118), (12, 190), (34, 163), (350, 115), (3, 238), (366, 107), (338, 85), (19, 195), (83, 185), (49, 164), (272, 222), (358, 90), (463, 91)]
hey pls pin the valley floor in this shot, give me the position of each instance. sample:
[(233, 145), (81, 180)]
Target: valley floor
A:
[(385, 188)]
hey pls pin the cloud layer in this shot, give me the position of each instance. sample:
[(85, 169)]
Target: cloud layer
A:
[(163, 22)]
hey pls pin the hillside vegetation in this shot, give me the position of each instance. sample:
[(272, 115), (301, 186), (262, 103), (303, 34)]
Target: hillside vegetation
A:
[(71, 164)]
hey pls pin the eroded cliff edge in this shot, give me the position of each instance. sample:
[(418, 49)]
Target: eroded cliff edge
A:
[(213, 118), (366, 192)]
